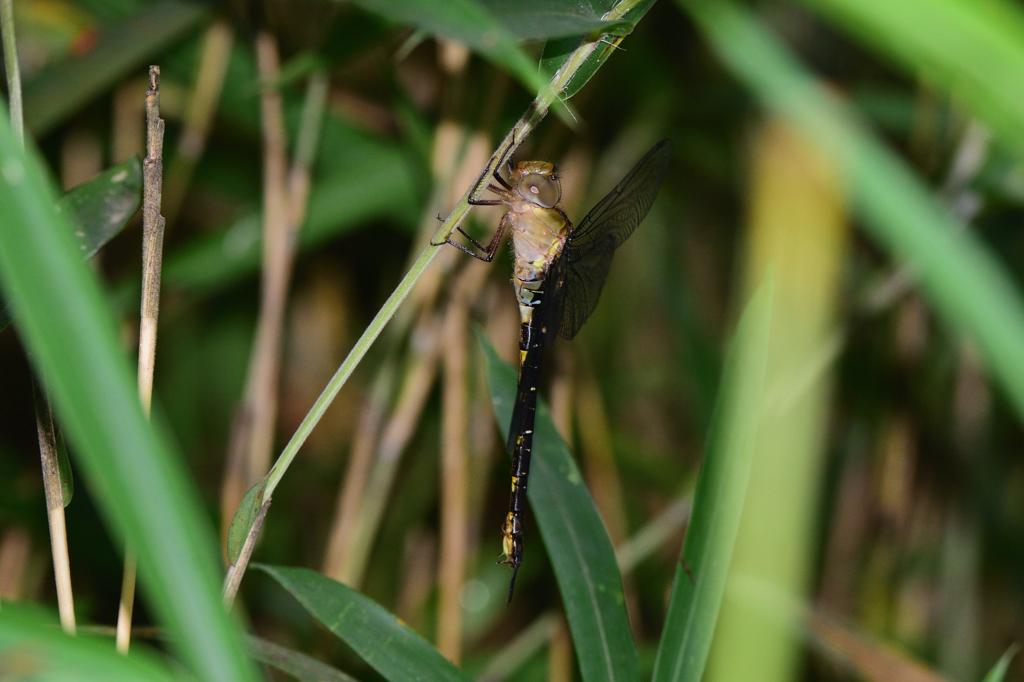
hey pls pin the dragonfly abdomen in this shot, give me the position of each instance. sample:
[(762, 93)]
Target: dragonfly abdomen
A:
[(520, 436)]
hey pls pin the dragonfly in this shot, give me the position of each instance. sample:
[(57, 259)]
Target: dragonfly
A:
[(558, 275)]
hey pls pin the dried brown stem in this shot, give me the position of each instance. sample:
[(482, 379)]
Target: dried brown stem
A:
[(55, 513), (152, 258), (285, 202), (454, 492), (350, 497), (399, 430), (253, 437)]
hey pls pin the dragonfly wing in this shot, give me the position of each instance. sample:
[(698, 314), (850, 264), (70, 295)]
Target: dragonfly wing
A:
[(590, 247), (554, 299)]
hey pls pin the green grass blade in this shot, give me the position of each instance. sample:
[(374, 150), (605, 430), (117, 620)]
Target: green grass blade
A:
[(998, 671), (377, 636), (575, 537), (973, 50), (543, 19), (60, 92), (33, 646), (143, 489), (99, 209), (557, 51), (718, 499), (964, 281), (295, 663), (466, 22), (245, 516)]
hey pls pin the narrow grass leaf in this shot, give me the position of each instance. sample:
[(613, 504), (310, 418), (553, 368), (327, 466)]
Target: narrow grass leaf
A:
[(58, 93), (558, 50), (97, 212), (466, 22), (144, 491), (33, 647), (246, 514), (397, 653), (966, 284), (575, 537), (543, 19), (294, 663), (99, 209), (998, 671), (67, 481), (973, 50), (718, 499)]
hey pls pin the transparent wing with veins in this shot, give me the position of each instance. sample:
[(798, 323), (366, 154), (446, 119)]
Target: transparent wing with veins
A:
[(577, 277)]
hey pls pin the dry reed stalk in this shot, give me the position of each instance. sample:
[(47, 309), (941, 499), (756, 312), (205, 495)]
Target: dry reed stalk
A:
[(350, 495), (426, 342), (55, 513), (152, 258), (202, 105), (15, 551), (560, 667), (454, 550), (253, 431), (447, 142)]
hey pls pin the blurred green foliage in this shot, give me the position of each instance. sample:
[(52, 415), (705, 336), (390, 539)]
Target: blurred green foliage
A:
[(913, 487)]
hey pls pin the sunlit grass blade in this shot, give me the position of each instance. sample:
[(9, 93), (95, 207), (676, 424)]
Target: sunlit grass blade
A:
[(141, 487), (998, 671), (575, 538), (973, 50), (964, 281), (35, 648), (377, 636), (718, 500)]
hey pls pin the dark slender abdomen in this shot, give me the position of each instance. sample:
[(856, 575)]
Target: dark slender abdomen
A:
[(520, 440)]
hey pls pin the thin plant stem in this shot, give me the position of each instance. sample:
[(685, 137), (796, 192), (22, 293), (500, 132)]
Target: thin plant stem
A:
[(253, 437), (44, 416), (55, 513), (396, 435), (364, 444), (213, 67), (153, 225), (529, 120), (453, 555), (447, 140), (13, 70)]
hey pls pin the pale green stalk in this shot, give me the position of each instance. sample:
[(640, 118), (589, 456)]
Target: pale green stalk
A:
[(13, 71)]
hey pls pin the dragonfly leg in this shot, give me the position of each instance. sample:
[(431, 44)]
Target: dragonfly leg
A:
[(489, 250), (475, 242)]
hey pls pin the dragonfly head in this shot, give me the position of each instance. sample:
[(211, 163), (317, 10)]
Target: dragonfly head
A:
[(535, 181)]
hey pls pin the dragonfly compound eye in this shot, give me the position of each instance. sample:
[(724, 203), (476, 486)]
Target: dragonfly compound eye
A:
[(540, 190)]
